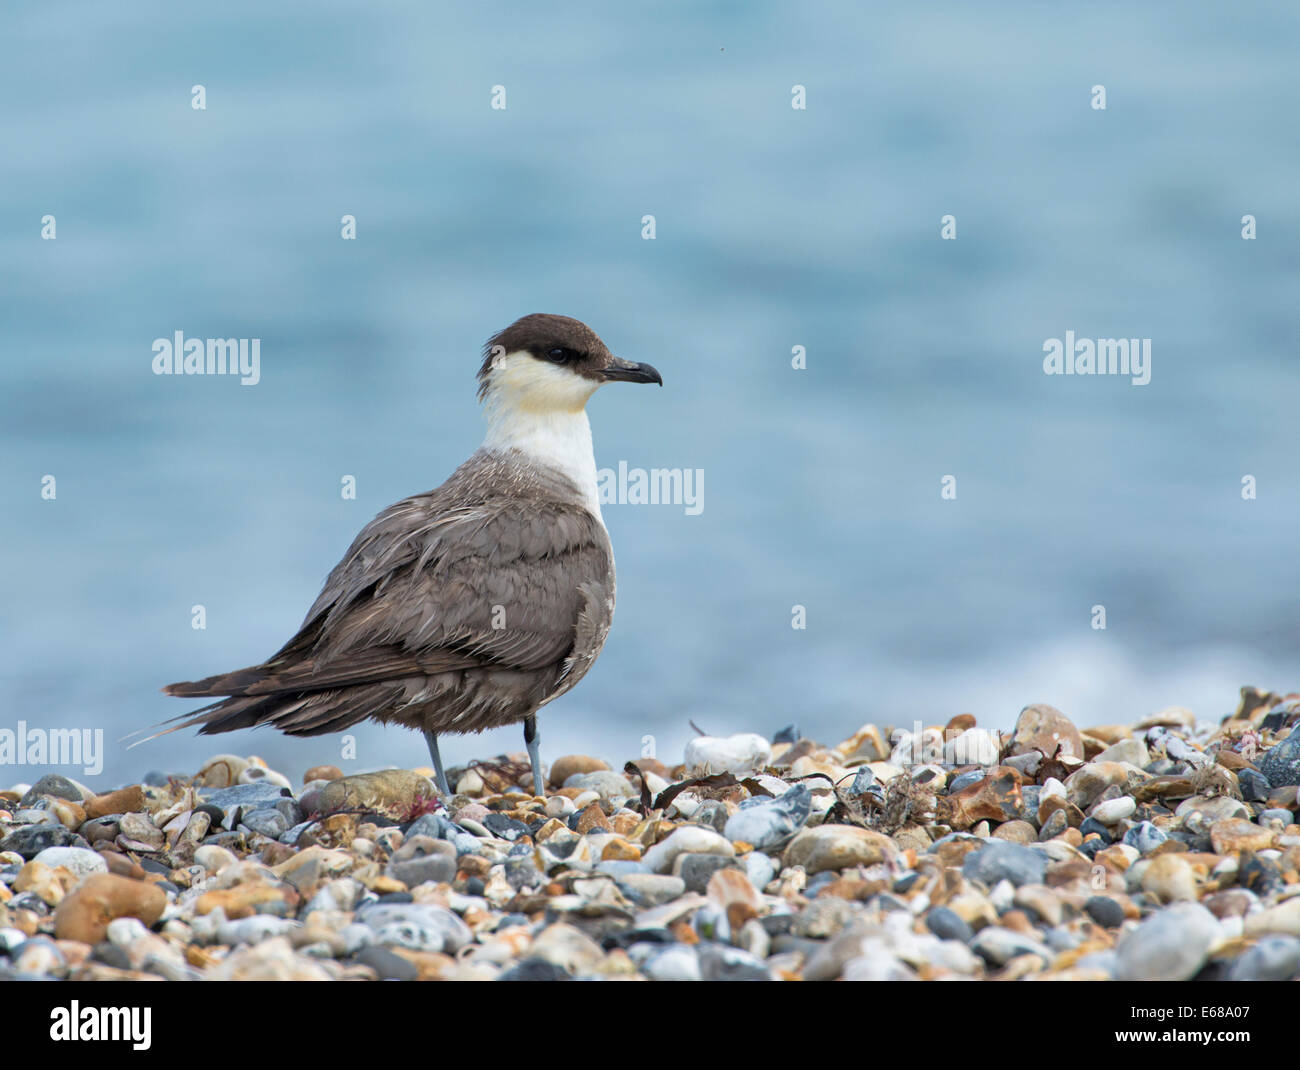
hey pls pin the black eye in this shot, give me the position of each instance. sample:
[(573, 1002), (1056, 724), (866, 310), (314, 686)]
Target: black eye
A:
[(561, 355)]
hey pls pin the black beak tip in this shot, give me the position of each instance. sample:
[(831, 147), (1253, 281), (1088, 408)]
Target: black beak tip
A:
[(627, 371)]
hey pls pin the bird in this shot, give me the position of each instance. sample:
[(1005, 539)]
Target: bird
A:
[(473, 605)]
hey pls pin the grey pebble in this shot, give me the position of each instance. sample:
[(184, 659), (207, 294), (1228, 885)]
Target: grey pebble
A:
[(721, 963), (1272, 958), (1281, 764), (696, 869), (1105, 911), (770, 823), (389, 965), (947, 925), (418, 926), (1000, 861), (1145, 837), (51, 784), (1171, 945), (31, 840)]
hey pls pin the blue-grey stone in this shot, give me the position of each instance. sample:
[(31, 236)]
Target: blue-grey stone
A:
[(1059, 938), (441, 827), (389, 965), (258, 794), (1091, 825), (906, 881), (534, 969), (1170, 945), (760, 868), (696, 869), (1057, 823), (1281, 764), (430, 868), (505, 828), (31, 840), (290, 836), (712, 814), (111, 955), (417, 926), (51, 784), (1000, 861), (1254, 785), (650, 889), (34, 816), (965, 780), (1273, 958), (618, 867), (948, 925), (863, 781), (770, 823), (1029, 797), (675, 962), (1145, 837), (788, 734), (438, 826), (265, 821), (1105, 911), (521, 871), (721, 963), (290, 809), (1176, 747)]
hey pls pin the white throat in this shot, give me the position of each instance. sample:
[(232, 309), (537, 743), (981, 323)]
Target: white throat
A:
[(539, 411)]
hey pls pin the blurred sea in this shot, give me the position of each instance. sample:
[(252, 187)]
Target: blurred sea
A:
[(775, 228)]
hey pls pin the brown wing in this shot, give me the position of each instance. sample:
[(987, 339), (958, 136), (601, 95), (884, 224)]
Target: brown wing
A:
[(425, 589)]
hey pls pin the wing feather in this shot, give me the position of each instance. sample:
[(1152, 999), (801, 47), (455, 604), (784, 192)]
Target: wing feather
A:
[(446, 581)]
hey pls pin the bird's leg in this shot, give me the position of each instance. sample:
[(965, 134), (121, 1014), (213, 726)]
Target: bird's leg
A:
[(432, 739), (531, 741)]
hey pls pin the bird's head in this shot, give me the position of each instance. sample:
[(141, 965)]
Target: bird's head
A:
[(545, 363)]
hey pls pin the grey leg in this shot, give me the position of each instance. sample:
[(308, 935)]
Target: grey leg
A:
[(432, 739), (531, 740)]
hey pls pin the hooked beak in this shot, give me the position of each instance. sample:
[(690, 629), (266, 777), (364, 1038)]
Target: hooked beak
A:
[(627, 371)]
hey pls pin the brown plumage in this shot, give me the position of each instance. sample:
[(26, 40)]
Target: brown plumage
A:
[(403, 630)]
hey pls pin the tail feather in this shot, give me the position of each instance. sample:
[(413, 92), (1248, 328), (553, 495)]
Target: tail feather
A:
[(284, 676), (225, 683), (297, 714)]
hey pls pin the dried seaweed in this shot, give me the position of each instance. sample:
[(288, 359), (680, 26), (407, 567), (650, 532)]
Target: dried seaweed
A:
[(718, 782), (630, 769)]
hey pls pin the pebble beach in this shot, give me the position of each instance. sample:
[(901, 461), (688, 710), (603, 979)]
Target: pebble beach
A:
[(1162, 850)]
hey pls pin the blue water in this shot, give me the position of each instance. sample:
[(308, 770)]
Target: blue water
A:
[(775, 228)]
